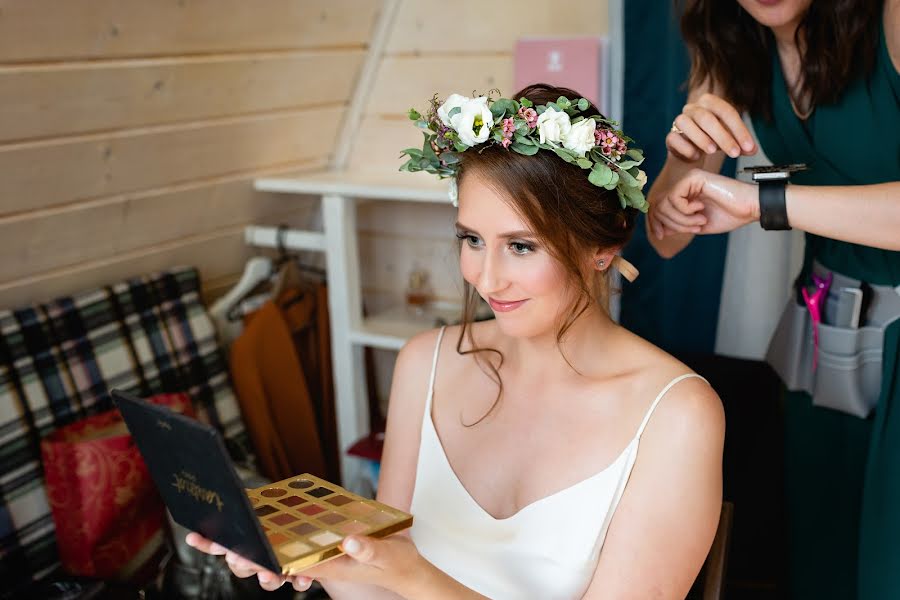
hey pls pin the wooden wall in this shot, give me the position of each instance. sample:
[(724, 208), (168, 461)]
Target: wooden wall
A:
[(130, 131)]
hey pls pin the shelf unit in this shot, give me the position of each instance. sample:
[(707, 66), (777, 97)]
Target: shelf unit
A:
[(339, 194)]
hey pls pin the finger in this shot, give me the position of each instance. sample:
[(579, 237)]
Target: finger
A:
[(270, 581), (301, 583), (656, 228), (714, 128), (671, 226), (360, 549), (681, 147), (685, 206), (695, 134), (241, 566), (195, 540), (732, 120)]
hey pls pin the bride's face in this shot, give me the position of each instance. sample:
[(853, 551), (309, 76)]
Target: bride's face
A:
[(502, 258)]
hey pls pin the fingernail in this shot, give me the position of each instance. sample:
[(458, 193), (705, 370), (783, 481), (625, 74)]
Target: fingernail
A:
[(351, 546), (748, 146), (734, 152), (230, 559)]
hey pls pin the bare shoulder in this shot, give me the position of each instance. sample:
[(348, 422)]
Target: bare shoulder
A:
[(892, 30)]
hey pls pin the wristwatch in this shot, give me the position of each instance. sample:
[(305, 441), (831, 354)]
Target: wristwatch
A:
[(772, 180)]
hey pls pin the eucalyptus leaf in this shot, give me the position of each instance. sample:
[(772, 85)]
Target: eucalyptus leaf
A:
[(628, 179), (414, 115), (583, 104), (584, 163), (521, 139), (600, 175), (524, 149), (563, 102), (564, 154), (526, 102), (613, 182), (450, 158), (502, 107), (635, 154), (412, 152)]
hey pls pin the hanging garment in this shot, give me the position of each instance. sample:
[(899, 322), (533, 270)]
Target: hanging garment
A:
[(281, 369)]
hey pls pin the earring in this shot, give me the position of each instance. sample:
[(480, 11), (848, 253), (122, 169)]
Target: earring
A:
[(600, 263)]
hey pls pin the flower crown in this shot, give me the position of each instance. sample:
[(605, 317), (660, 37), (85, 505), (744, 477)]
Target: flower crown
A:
[(590, 142)]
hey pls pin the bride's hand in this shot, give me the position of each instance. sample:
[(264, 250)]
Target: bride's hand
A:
[(703, 202)]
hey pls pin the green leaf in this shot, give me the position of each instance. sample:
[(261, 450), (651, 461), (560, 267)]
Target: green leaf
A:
[(413, 115), (460, 147), (521, 139), (540, 109), (526, 102), (584, 163), (450, 158), (524, 149), (634, 197), (428, 152), (564, 154), (554, 106), (628, 179), (583, 104), (613, 182), (600, 175), (627, 164), (563, 102), (635, 154), (412, 152), (502, 107)]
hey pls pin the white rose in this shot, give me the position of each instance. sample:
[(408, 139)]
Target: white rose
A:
[(580, 138), (641, 179), (454, 101), (474, 122), (553, 126)]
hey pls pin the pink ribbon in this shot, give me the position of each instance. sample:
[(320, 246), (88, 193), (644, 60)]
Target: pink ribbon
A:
[(814, 303)]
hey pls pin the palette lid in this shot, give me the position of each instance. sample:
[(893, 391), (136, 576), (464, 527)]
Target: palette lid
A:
[(191, 468)]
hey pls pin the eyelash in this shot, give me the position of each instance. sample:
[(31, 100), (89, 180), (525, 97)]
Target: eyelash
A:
[(518, 248)]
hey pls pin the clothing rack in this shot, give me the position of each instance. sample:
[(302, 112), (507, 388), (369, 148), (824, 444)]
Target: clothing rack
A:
[(350, 332)]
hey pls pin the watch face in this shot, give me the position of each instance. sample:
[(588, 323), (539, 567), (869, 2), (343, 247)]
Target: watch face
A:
[(772, 172)]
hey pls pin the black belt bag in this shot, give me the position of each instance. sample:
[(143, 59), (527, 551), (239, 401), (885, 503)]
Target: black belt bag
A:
[(847, 375)]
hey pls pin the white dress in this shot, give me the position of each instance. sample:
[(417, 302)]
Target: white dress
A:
[(547, 550)]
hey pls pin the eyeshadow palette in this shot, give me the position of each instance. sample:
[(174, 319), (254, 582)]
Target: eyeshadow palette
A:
[(306, 518), (285, 526)]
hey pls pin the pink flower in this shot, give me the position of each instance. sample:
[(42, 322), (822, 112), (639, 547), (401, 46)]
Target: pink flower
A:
[(530, 115), (610, 144), (509, 127), (505, 142)]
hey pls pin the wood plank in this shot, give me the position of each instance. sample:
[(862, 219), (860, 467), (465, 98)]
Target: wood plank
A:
[(40, 30), (38, 175), (405, 82), (217, 255), (40, 241), (476, 26), (379, 142), (59, 100)]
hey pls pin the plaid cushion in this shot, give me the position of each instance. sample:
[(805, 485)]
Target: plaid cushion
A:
[(146, 335)]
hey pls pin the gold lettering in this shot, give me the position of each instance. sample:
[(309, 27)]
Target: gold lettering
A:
[(186, 483), (163, 424)]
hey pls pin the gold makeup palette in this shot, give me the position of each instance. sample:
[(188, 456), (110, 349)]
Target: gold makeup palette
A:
[(305, 519), (285, 526)]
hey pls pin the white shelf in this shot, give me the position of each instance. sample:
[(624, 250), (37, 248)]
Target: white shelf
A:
[(399, 186), (391, 329)]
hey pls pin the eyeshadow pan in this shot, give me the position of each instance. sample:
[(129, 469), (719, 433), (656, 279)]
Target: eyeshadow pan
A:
[(273, 493), (276, 538), (319, 492), (294, 549), (292, 501), (311, 510), (358, 509), (324, 538), (264, 510), (283, 519), (352, 527), (301, 484), (339, 500), (332, 518), (304, 528)]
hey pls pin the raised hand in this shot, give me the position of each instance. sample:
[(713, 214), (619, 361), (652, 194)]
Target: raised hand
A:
[(706, 126)]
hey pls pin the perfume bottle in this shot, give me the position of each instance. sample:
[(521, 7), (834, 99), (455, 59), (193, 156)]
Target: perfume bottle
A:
[(418, 292)]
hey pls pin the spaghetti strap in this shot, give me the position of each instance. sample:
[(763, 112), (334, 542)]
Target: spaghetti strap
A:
[(437, 350), (660, 396)]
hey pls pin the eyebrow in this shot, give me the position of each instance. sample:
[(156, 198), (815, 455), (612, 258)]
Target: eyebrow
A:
[(509, 234)]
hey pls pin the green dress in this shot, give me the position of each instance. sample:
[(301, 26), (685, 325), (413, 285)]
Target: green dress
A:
[(842, 472)]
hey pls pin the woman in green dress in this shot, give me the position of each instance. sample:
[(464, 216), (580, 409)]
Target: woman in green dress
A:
[(821, 82)]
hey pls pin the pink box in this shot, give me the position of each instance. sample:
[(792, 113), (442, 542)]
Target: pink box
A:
[(580, 63)]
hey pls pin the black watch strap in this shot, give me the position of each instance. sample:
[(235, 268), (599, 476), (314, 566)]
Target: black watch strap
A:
[(772, 205)]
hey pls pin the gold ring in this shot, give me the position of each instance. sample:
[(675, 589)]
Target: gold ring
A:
[(675, 129)]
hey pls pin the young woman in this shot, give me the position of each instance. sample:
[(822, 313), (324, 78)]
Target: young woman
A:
[(808, 74), (546, 453)]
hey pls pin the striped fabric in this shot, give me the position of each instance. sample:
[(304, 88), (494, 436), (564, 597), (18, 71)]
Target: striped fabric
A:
[(57, 361)]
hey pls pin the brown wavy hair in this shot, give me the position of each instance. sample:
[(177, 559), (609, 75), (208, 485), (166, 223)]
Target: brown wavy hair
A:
[(570, 216), (838, 42)]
